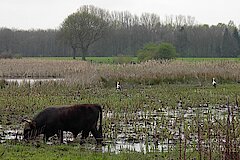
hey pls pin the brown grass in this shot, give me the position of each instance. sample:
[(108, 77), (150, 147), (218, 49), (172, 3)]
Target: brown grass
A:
[(87, 73)]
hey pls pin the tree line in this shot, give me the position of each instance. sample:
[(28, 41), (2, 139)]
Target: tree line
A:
[(126, 34)]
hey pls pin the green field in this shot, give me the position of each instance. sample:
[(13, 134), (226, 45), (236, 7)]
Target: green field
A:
[(66, 152), (209, 59), (107, 60), (110, 60)]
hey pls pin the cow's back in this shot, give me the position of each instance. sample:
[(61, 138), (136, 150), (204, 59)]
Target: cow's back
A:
[(78, 117), (46, 116)]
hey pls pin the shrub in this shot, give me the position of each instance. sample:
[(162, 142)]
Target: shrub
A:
[(148, 52), (154, 51), (166, 51), (122, 59), (17, 56), (6, 55)]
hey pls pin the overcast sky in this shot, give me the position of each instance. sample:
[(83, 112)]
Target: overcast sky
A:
[(49, 14)]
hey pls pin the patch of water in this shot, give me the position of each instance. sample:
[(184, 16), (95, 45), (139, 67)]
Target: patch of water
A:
[(31, 81), (119, 146), (142, 131), (10, 134)]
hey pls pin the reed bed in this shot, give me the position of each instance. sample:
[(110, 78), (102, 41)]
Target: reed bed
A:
[(151, 72)]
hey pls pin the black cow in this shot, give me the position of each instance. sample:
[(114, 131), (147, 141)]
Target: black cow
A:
[(54, 120)]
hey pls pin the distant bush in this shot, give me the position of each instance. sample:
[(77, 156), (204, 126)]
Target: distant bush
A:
[(9, 55), (122, 59), (166, 51), (17, 56), (148, 52), (154, 51), (6, 55)]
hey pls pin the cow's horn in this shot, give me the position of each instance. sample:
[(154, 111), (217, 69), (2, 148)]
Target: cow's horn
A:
[(27, 120)]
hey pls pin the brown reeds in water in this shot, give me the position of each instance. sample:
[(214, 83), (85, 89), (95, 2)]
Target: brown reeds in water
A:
[(231, 151)]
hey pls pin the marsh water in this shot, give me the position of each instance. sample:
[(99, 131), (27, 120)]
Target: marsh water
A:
[(31, 81), (142, 131)]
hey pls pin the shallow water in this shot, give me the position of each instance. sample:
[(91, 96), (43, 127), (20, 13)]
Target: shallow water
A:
[(31, 81), (142, 132)]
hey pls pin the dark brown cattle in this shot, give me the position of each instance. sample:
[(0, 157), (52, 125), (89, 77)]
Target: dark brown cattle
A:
[(77, 118)]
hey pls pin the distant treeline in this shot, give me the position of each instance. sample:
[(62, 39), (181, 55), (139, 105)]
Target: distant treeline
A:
[(128, 34)]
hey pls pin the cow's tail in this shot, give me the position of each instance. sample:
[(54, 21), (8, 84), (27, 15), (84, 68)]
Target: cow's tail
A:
[(100, 117)]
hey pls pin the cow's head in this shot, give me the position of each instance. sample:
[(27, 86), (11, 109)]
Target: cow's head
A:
[(29, 129)]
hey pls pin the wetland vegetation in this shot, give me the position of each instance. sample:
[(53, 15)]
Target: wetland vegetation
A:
[(166, 110)]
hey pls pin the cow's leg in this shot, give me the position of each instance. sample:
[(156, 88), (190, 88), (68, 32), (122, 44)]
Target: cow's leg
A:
[(60, 136), (45, 138), (48, 134), (85, 134), (97, 135), (75, 134)]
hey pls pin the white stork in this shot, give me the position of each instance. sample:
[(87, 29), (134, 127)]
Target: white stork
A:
[(118, 87), (214, 83)]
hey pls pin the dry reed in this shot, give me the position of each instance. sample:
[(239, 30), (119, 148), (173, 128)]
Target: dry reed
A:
[(91, 73)]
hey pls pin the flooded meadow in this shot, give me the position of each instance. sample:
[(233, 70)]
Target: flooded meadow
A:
[(178, 115), (141, 119)]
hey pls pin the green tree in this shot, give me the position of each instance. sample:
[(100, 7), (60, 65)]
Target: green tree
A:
[(83, 28), (154, 51), (166, 51), (148, 52)]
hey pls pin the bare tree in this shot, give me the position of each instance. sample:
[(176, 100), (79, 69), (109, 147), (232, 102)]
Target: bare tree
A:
[(83, 28)]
